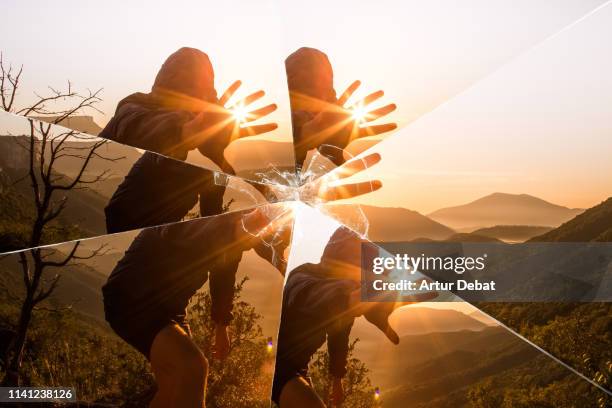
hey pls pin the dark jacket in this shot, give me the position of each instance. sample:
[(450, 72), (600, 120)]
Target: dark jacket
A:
[(157, 272), (314, 311), (157, 190), (165, 266)]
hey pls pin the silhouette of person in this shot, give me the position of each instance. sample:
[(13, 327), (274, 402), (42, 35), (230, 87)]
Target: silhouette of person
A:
[(147, 293), (182, 112), (320, 119), (320, 304)]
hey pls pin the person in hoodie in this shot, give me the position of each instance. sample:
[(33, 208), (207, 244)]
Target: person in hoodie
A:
[(147, 293), (320, 304), (181, 113), (321, 120)]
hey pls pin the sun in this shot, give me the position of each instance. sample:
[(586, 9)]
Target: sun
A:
[(240, 113), (359, 113)]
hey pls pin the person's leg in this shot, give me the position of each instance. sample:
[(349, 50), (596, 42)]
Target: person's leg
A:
[(180, 370), (298, 393)]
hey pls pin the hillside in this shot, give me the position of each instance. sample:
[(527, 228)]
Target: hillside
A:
[(446, 379), (421, 320), (117, 169), (470, 237), (595, 224), (82, 217), (504, 209), (512, 233), (392, 366), (393, 224)]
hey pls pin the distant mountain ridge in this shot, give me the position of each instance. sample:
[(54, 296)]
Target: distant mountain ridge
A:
[(512, 233), (387, 224), (420, 320), (504, 209), (595, 224)]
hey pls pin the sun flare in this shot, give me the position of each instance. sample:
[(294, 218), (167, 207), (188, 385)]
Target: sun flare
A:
[(359, 113), (240, 113)]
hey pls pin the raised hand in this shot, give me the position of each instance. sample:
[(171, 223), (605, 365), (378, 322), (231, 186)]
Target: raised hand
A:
[(324, 189), (378, 312), (339, 124), (217, 125)]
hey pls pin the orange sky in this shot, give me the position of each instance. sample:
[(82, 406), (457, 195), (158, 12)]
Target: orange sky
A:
[(492, 96)]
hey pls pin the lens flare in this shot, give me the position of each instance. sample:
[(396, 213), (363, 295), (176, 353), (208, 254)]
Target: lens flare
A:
[(359, 113), (240, 113), (269, 345)]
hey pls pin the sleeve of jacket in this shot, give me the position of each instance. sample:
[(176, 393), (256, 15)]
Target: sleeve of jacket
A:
[(157, 130), (338, 346), (222, 282)]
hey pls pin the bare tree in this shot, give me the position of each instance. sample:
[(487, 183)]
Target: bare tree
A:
[(46, 146), (45, 105)]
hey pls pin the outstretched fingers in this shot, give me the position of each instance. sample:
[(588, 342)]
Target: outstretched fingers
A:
[(260, 112), (380, 112), (257, 129), (376, 129), (345, 191), (246, 101), (356, 166), (374, 96), (231, 90), (349, 92)]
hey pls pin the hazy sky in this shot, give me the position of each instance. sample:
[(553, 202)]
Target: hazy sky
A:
[(119, 46), (526, 119), (541, 125)]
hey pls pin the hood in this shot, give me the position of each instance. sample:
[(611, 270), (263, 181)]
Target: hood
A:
[(309, 73), (188, 73)]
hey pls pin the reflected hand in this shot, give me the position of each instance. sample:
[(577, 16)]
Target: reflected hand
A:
[(338, 125), (213, 129), (378, 313), (222, 343), (322, 190)]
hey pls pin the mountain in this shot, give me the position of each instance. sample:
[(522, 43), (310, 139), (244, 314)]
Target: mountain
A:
[(15, 158), (79, 286), (420, 320), (83, 213), (470, 237), (595, 224), (392, 224), (504, 209), (391, 365), (483, 318), (425, 332), (512, 233), (444, 380), (117, 169)]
